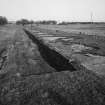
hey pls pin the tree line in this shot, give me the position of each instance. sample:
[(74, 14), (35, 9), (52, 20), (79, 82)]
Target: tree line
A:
[(3, 20), (46, 22), (25, 22)]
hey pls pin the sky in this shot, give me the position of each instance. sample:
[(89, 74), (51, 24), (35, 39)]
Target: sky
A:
[(60, 10)]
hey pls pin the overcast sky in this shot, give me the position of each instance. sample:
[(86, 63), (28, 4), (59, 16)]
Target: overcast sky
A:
[(63, 10)]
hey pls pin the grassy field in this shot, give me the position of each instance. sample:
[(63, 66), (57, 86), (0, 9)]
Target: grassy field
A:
[(27, 79), (91, 29)]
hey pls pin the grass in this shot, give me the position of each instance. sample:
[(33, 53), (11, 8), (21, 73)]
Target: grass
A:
[(91, 29), (26, 81), (77, 88)]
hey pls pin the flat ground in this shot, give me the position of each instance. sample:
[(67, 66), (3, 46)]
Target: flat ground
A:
[(90, 29), (27, 79)]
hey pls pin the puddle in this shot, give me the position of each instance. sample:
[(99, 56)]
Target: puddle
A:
[(94, 56), (51, 38), (39, 33), (68, 39), (79, 48), (35, 31), (45, 35)]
